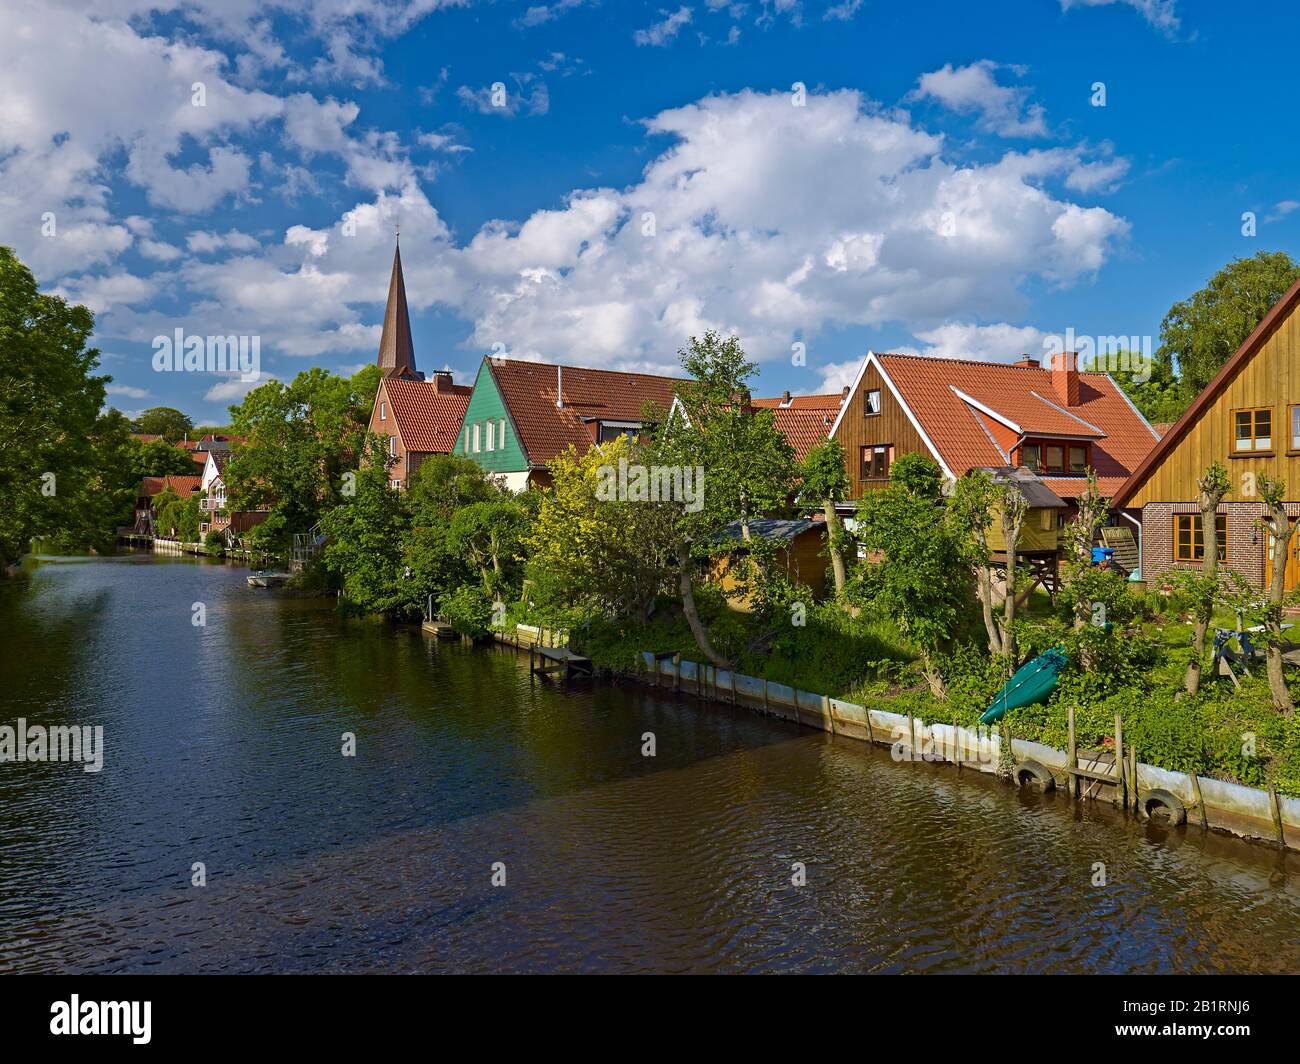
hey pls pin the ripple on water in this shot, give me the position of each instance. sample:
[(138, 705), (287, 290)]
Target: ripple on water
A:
[(223, 747)]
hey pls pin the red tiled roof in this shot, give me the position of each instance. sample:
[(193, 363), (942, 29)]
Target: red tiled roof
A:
[(428, 415), (804, 428), (803, 402), (183, 486), (967, 437), (529, 392)]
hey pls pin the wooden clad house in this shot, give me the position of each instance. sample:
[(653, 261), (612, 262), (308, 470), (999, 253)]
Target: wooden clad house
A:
[(418, 417), (799, 553), (520, 415), (1247, 419), (1042, 427)]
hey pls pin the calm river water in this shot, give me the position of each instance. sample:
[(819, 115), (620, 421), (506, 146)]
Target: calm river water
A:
[(223, 746)]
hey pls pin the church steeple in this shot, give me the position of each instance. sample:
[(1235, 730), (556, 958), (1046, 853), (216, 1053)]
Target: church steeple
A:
[(396, 354)]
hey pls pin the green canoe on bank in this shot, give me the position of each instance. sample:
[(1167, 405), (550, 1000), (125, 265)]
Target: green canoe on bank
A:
[(1033, 682)]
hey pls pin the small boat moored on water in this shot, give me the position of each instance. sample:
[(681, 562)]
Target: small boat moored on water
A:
[(266, 578)]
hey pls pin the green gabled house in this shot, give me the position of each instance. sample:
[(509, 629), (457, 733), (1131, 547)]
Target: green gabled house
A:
[(522, 414)]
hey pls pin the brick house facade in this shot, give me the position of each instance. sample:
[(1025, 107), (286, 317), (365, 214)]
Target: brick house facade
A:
[(1247, 541)]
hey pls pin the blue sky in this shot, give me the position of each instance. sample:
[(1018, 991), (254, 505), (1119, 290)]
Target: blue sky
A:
[(945, 184)]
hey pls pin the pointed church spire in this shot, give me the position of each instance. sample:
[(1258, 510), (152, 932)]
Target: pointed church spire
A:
[(396, 354)]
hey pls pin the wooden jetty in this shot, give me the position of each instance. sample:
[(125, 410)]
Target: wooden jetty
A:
[(439, 628), (545, 660)]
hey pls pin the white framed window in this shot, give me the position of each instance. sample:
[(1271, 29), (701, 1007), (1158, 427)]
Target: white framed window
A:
[(501, 436), (397, 485), (392, 446), (476, 439), (383, 411), (871, 403), (491, 436)]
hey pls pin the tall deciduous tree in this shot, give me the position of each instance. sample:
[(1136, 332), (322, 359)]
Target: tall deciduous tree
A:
[(920, 553), (1014, 507), (50, 400), (748, 466), (972, 507), (588, 547), (826, 479), (1200, 332), (300, 438), (364, 530), (165, 421)]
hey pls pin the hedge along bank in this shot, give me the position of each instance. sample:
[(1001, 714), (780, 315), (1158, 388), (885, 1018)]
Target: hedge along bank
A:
[(1228, 807)]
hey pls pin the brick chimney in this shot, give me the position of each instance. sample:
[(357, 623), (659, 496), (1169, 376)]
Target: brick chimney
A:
[(1065, 377), (785, 397), (1026, 361), (442, 380)]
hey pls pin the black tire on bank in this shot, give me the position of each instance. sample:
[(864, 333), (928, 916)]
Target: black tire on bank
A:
[(1164, 806), (1030, 773)]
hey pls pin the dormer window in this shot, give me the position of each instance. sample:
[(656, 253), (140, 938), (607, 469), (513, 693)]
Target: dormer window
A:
[(1062, 458)]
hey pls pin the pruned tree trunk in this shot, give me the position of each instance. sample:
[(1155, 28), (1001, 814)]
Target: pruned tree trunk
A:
[(1012, 520), (1210, 497), (933, 677), (1283, 533), (834, 532), (986, 593), (698, 630)]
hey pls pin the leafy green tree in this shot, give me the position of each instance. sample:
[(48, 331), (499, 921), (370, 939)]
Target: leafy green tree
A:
[(300, 438), (175, 517), (50, 400), (825, 478), (158, 458), (491, 536), (919, 554), (365, 386), (365, 531), (589, 549), (1161, 398), (973, 507), (1199, 333), (435, 491), (164, 421), (748, 466)]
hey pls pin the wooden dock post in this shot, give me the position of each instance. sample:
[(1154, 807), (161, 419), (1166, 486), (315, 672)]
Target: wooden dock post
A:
[(1275, 807), (1072, 752), (1200, 802), (830, 714), (1121, 783), (1133, 774)]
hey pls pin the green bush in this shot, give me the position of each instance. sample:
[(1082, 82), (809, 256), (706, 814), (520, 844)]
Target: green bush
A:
[(214, 542), (468, 609)]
